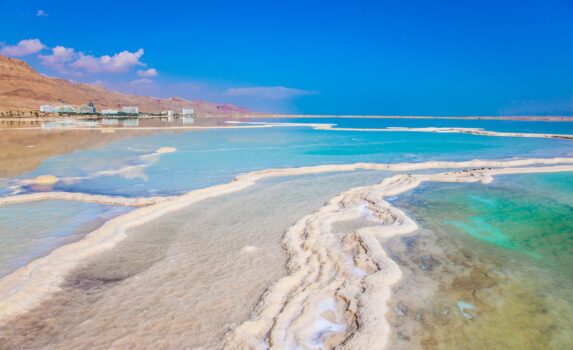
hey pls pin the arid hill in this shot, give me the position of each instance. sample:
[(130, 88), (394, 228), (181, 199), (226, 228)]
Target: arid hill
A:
[(23, 89)]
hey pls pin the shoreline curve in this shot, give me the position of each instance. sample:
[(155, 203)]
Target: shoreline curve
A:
[(26, 287)]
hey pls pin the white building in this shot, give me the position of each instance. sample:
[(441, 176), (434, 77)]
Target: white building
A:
[(187, 111), (47, 109), (65, 109), (87, 110), (109, 111), (130, 110)]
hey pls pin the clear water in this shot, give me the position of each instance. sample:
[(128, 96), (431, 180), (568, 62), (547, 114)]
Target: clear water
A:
[(524, 126), (529, 214), (516, 234), (179, 281), (205, 158), (520, 227), (31, 230)]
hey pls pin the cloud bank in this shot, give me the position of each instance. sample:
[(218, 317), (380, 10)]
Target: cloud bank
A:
[(118, 63), (68, 61), (59, 58), (126, 72), (23, 48), (151, 72)]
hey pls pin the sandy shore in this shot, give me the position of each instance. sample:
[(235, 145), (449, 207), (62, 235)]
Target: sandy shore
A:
[(331, 294), (82, 197)]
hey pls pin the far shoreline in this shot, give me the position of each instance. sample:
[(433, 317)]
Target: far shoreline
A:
[(548, 118)]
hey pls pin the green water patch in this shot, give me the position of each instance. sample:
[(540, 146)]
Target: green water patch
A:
[(500, 276), (529, 214)]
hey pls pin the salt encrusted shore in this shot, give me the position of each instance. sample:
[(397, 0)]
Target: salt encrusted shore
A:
[(447, 130), (471, 131), (82, 197), (339, 285), (336, 291)]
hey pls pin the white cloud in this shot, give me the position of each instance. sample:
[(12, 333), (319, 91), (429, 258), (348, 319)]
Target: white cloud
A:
[(23, 48), (118, 63), (41, 13), (68, 61), (151, 72), (268, 92), (59, 58)]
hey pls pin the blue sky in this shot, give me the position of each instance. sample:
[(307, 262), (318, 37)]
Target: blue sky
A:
[(362, 57)]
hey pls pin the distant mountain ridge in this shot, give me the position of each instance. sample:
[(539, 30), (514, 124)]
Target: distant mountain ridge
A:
[(23, 89)]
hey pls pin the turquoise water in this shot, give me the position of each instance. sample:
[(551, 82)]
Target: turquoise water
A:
[(493, 125), (531, 215), (506, 249), (210, 157), (520, 225), (31, 230)]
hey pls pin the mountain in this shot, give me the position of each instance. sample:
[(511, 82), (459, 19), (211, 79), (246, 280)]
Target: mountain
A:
[(23, 89)]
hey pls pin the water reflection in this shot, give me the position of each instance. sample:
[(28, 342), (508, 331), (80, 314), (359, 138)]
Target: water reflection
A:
[(130, 122), (6, 124)]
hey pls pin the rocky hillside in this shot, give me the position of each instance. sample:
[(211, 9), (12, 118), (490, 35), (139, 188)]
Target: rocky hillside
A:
[(23, 89)]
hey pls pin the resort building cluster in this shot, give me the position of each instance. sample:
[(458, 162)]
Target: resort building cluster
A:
[(91, 109)]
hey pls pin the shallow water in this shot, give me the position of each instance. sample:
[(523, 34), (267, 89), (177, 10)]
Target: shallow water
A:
[(180, 281), (497, 259), (207, 157), (491, 262), (541, 127), (31, 230)]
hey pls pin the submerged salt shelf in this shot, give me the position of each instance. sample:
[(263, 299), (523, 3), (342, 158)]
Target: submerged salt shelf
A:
[(205, 158), (495, 261), (191, 274), (31, 230)]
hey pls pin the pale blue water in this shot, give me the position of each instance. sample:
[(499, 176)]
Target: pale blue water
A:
[(31, 230), (210, 157), (205, 158), (493, 125)]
